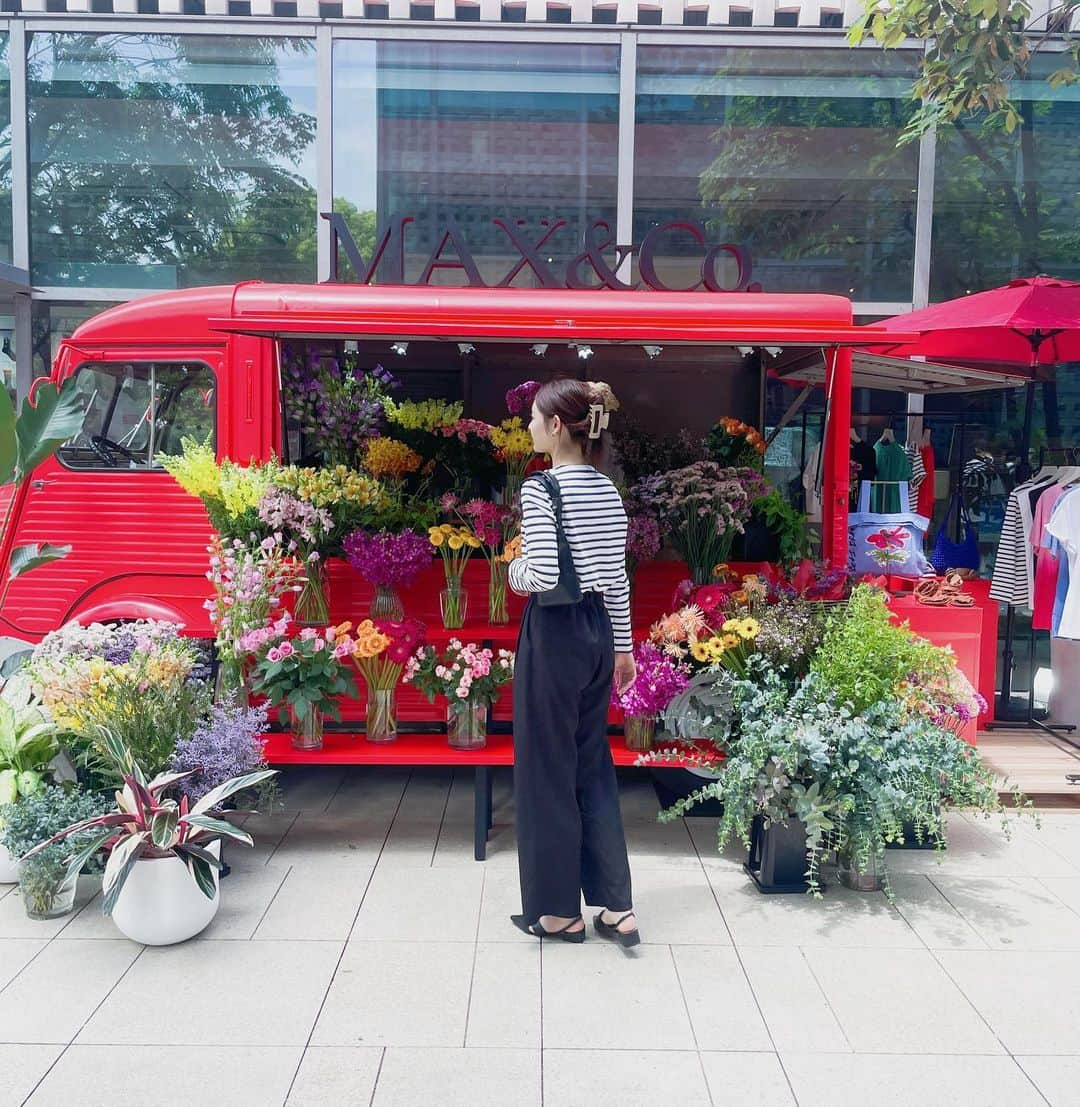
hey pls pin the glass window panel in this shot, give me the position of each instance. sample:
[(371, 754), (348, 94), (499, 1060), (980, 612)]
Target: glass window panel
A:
[(788, 153), (1008, 205), (163, 161), (472, 132)]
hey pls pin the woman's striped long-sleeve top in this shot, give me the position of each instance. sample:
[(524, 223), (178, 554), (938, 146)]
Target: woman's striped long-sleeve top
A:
[(595, 523)]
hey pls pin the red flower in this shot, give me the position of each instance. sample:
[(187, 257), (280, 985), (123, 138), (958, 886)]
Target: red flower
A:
[(888, 539)]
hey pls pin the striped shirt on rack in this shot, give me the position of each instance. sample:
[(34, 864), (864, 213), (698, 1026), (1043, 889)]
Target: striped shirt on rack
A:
[(595, 523)]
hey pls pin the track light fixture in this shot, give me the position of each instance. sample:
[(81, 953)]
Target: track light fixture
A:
[(653, 351), (466, 348), (774, 351), (584, 352), (746, 351), (539, 349), (400, 348)]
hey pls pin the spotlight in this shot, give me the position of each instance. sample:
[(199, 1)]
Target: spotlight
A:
[(400, 348), (351, 346), (584, 352), (466, 348), (746, 351), (774, 351), (653, 351), (540, 349)]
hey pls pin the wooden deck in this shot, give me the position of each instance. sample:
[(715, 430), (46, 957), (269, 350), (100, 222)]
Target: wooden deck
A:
[(1035, 762)]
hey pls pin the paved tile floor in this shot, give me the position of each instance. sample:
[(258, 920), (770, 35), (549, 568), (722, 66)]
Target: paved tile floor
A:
[(361, 957)]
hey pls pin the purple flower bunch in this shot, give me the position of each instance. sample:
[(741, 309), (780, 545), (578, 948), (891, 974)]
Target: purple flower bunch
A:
[(642, 538), (519, 400), (388, 559), (660, 678), (226, 745)]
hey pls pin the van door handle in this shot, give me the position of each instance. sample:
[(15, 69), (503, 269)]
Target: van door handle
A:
[(39, 485)]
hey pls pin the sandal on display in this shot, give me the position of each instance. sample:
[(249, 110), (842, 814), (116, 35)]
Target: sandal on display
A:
[(932, 592)]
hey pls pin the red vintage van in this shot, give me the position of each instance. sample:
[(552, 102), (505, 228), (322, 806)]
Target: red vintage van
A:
[(206, 360)]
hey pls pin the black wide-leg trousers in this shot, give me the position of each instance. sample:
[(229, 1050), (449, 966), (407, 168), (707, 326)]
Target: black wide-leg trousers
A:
[(569, 826)]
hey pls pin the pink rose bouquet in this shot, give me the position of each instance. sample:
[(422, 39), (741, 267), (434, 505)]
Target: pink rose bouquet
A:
[(463, 673)]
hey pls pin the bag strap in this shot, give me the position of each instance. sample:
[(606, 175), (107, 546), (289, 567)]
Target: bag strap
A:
[(864, 496)]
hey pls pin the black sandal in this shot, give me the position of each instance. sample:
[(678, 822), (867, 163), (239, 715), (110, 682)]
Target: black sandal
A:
[(537, 931), (626, 938)]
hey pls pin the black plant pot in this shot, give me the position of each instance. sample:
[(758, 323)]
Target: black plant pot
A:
[(777, 861), (674, 784), (756, 543), (911, 841)]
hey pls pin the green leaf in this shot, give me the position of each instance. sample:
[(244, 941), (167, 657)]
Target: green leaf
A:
[(222, 792), (219, 828), (25, 558), (14, 662), (9, 788), (42, 428), (203, 874), (201, 852), (9, 442), (163, 827), (76, 862), (118, 868)]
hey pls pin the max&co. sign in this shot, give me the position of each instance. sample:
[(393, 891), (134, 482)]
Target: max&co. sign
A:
[(723, 268)]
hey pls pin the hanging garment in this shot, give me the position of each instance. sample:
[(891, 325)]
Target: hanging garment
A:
[(1046, 563), (811, 485), (1064, 526), (1013, 579), (892, 467), (918, 474), (926, 489)]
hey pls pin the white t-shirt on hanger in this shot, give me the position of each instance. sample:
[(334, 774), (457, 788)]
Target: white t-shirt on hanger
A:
[(1064, 525)]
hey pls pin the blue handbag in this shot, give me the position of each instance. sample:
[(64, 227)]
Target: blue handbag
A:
[(886, 542), (956, 555)]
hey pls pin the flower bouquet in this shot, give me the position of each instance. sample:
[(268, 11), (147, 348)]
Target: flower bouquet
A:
[(470, 678), (352, 499), (735, 443), (308, 529), (303, 676), (687, 636), (249, 584), (389, 561), (382, 650), (642, 542), (514, 448), (390, 461), (702, 507), (494, 525), (660, 678), (519, 400), (456, 545)]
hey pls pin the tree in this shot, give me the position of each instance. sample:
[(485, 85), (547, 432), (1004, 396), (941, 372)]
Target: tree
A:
[(975, 50)]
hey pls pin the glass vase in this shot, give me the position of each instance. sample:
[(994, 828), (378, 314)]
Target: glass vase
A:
[(453, 604), (231, 684), (47, 888), (498, 612), (702, 574), (639, 731), (312, 606), (307, 733), (386, 604), (381, 715), (466, 725)]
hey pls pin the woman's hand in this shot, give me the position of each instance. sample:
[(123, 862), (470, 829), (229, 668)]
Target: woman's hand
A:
[(625, 671)]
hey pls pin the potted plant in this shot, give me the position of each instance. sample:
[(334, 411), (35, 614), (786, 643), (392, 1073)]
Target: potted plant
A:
[(470, 678), (28, 745), (47, 883), (302, 676), (659, 680), (160, 884), (381, 652)]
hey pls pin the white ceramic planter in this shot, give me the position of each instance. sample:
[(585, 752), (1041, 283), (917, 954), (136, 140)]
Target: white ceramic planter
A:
[(161, 904), (9, 868)]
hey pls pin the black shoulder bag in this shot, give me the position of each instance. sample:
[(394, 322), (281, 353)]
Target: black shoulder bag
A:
[(568, 588)]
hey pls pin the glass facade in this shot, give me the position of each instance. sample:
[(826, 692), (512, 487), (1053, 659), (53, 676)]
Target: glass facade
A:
[(5, 150), (1008, 205), (163, 161), (455, 134), (789, 153)]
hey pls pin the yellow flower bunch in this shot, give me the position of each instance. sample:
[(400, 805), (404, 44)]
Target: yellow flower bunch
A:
[(707, 650), (453, 537), (511, 439), (423, 415), (328, 487), (195, 469), (742, 629), (242, 487), (389, 459)]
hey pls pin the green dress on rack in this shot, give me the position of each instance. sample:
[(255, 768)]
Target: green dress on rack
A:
[(893, 466)]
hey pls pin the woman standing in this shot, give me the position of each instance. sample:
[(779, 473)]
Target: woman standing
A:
[(569, 827)]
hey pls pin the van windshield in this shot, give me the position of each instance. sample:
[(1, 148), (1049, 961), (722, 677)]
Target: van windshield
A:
[(137, 411)]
